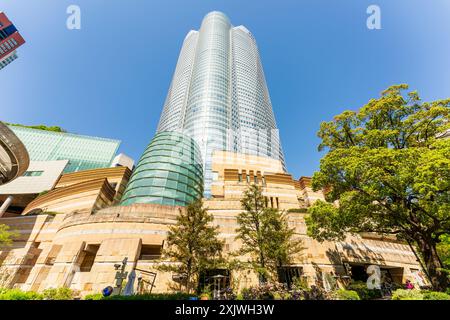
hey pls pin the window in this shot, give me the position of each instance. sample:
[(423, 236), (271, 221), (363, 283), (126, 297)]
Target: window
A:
[(54, 251), (150, 252), (289, 274), (216, 280), (240, 177), (90, 252), (33, 173)]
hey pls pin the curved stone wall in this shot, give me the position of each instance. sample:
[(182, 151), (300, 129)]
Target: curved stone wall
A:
[(14, 158)]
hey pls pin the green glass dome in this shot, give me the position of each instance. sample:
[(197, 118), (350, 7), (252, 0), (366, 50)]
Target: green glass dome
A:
[(169, 172)]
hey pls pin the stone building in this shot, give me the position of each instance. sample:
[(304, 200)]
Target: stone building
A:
[(92, 233)]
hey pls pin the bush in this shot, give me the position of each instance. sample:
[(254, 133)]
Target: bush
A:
[(343, 294), (279, 291), (94, 296), (434, 295), (147, 296), (363, 292), (266, 292), (17, 294), (403, 294), (58, 294)]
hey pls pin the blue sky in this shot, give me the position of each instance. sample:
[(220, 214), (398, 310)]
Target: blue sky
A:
[(110, 78)]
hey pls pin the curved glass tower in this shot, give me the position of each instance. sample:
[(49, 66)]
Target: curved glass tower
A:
[(219, 96), (169, 172)]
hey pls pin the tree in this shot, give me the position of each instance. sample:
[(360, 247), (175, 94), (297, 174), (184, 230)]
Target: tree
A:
[(444, 251), (389, 172), (265, 235), (6, 236), (193, 244)]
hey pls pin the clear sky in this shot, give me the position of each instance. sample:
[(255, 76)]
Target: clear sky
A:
[(110, 78)]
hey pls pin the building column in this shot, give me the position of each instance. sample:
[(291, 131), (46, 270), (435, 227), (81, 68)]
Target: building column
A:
[(6, 205)]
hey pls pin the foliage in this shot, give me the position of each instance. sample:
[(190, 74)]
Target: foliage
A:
[(229, 294), (266, 291), (433, 295), (207, 292), (43, 193), (443, 249), (58, 294), (265, 235), (404, 294), (94, 296), (343, 294), (390, 174), (17, 294), (40, 212), (299, 283), (364, 293), (192, 244), (39, 127), (277, 291), (148, 296), (6, 235), (298, 210)]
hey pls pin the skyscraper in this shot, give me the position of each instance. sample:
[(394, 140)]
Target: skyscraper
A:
[(219, 95), (10, 40)]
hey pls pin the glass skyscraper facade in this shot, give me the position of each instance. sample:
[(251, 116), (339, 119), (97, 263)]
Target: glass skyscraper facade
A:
[(83, 152), (168, 173), (219, 96)]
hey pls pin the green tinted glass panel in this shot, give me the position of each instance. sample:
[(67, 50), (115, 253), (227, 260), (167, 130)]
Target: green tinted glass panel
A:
[(83, 152), (169, 172)]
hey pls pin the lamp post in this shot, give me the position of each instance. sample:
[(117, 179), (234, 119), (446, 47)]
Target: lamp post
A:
[(121, 275)]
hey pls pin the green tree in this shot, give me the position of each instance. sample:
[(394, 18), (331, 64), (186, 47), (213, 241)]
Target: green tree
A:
[(265, 235), (444, 251), (6, 235), (390, 173), (193, 244), (39, 127)]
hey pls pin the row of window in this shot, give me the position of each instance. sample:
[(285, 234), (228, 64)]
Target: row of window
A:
[(8, 45), (248, 178), (5, 62), (6, 32)]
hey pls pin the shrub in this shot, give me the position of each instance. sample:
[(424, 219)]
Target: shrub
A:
[(229, 294), (17, 294), (434, 295), (58, 294), (343, 294), (268, 291), (363, 292), (298, 210), (147, 296), (94, 296), (315, 293), (403, 294)]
